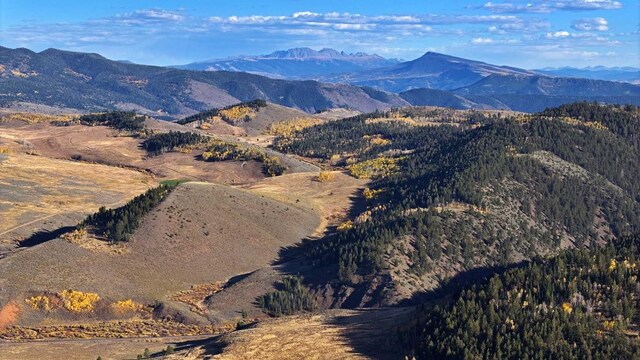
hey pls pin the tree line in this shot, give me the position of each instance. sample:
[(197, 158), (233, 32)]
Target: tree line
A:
[(120, 120), (165, 142), (119, 224)]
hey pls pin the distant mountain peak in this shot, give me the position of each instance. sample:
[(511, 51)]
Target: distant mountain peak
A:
[(324, 53)]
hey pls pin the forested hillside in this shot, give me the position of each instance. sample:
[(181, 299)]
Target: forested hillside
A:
[(580, 304), (474, 192)]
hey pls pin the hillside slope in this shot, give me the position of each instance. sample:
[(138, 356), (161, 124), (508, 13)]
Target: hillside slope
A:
[(252, 119), (474, 193), (202, 233), (91, 82), (580, 304)]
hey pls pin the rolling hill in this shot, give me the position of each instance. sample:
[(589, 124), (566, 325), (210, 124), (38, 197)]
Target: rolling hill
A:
[(90, 82), (461, 195), (184, 241), (297, 63)]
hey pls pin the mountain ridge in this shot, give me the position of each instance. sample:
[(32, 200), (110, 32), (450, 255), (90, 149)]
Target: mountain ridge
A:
[(295, 63), (91, 82)]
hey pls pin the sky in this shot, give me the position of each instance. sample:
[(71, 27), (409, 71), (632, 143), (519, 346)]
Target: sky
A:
[(528, 34)]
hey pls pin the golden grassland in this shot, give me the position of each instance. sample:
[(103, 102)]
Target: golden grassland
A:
[(336, 334), (331, 200), (110, 330), (34, 187)]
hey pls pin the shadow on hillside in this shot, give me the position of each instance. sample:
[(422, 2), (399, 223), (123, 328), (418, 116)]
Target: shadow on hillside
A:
[(210, 345), (43, 236), (369, 331), (293, 256), (372, 332), (460, 281)]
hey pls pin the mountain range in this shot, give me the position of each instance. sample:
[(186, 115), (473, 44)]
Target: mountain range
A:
[(624, 74), (297, 63), (432, 70), (91, 82)]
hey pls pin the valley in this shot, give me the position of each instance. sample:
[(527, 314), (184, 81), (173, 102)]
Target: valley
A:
[(201, 262), (461, 182)]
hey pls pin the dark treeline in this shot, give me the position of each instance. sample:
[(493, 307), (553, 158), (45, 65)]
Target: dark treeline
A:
[(121, 120), (450, 165), (160, 143), (622, 120), (119, 223), (204, 115), (292, 298), (576, 305)]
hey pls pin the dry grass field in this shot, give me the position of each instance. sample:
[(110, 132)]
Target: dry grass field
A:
[(202, 233), (336, 334), (331, 199), (85, 349), (43, 193), (206, 252)]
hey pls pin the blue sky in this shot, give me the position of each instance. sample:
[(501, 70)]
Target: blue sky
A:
[(530, 34)]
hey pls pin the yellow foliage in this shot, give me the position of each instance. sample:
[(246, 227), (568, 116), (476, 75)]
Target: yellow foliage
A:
[(40, 302), (4, 150), (609, 324), (32, 118), (566, 307), (380, 141), (371, 194), (374, 168), (345, 226), (207, 155), (75, 236), (392, 117), (592, 124), (78, 301), (238, 113), (510, 324), (613, 265), (287, 128), (325, 176), (596, 125), (124, 306)]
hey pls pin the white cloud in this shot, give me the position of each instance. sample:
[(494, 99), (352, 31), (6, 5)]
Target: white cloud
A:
[(547, 6), (307, 18), (557, 34), (481, 41), (149, 16), (591, 24)]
